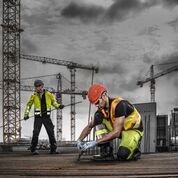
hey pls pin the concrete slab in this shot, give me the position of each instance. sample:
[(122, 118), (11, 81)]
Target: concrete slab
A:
[(23, 164)]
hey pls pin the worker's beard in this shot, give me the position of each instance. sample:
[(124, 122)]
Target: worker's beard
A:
[(102, 105), (40, 90)]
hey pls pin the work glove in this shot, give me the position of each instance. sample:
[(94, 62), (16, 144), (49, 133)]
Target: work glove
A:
[(61, 106), (79, 144), (89, 145), (26, 117)]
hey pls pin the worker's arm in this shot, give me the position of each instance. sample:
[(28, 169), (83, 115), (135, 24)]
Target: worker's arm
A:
[(28, 106), (117, 128), (54, 102), (87, 130)]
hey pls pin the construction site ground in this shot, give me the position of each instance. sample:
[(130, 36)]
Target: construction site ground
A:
[(23, 164)]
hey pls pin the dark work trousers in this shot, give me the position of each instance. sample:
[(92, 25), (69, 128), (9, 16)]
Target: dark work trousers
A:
[(36, 131)]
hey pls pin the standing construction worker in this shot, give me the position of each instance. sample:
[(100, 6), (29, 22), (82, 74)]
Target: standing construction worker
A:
[(43, 100), (115, 118)]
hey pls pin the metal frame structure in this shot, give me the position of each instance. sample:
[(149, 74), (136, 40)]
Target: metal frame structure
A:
[(11, 70), (152, 78), (72, 101), (59, 111)]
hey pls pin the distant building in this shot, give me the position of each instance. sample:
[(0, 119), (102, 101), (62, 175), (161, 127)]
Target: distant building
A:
[(174, 129), (148, 114), (162, 143)]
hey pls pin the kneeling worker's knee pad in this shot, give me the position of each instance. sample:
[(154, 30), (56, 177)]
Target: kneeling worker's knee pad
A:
[(123, 153)]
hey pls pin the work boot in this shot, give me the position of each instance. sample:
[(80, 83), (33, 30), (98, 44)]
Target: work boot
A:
[(35, 152), (106, 153), (54, 152), (136, 155), (103, 157)]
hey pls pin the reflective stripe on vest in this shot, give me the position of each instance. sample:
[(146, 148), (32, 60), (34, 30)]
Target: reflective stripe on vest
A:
[(38, 112), (131, 122), (114, 103)]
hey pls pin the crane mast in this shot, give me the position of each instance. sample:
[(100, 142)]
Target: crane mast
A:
[(11, 30)]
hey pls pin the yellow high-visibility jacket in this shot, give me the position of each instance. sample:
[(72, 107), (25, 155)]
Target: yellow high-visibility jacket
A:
[(132, 121), (35, 99)]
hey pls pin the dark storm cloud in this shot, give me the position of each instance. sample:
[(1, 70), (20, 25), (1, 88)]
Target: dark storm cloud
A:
[(121, 9), (84, 12), (168, 62), (118, 11), (171, 59), (169, 3), (173, 23)]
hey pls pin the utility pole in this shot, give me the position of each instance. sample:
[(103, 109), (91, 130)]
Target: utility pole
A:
[(11, 70)]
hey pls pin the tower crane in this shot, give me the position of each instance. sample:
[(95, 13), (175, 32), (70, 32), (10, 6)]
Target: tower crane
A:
[(72, 66), (152, 78), (11, 87)]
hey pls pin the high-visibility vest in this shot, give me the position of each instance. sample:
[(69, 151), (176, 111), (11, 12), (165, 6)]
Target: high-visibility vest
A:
[(131, 122), (35, 99)]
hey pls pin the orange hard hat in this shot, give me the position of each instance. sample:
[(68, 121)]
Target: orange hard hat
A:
[(95, 91)]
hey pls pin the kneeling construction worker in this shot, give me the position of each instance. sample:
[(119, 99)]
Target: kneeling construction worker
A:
[(43, 100), (114, 118)]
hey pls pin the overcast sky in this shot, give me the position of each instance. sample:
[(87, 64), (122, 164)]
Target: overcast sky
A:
[(122, 37)]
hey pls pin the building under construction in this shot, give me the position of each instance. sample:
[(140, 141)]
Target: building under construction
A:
[(174, 130), (15, 157), (162, 143)]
